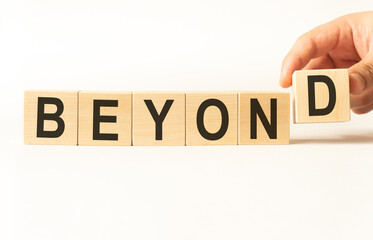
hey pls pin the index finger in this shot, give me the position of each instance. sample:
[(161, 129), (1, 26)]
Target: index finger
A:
[(312, 44)]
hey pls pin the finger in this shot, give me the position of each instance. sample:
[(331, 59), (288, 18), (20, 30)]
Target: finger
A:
[(361, 75), (362, 100), (316, 43), (324, 62), (363, 110)]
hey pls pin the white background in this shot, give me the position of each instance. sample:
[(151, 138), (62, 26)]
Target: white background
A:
[(318, 187)]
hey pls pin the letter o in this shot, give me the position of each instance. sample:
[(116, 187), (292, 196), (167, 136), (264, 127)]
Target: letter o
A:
[(224, 119)]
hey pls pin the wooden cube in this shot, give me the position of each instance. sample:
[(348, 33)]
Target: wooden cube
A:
[(51, 117), (158, 118), (105, 118), (264, 118), (321, 96), (211, 118)]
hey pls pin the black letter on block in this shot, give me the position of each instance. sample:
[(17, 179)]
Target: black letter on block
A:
[(311, 95), (97, 119), (256, 109), (158, 118), (50, 116), (224, 119)]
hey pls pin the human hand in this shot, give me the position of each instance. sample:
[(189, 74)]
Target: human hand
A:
[(346, 42)]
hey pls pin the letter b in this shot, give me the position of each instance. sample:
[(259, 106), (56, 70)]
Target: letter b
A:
[(42, 116), (51, 117)]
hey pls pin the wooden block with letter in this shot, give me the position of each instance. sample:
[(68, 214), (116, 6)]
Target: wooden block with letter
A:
[(51, 117), (321, 96), (211, 118), (158, 118), (264, 118), (105, 118)]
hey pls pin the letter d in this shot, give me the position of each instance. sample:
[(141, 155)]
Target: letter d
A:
[(313, 111)]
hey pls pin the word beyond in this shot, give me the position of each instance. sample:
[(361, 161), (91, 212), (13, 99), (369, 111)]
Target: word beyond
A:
[(177, 118)]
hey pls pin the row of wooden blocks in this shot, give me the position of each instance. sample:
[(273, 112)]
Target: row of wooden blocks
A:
[(178, 118)]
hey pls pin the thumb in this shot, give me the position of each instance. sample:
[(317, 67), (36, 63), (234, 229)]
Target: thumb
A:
[(361, 75)]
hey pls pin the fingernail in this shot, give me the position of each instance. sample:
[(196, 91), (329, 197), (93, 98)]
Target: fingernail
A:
[(357, 83)]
